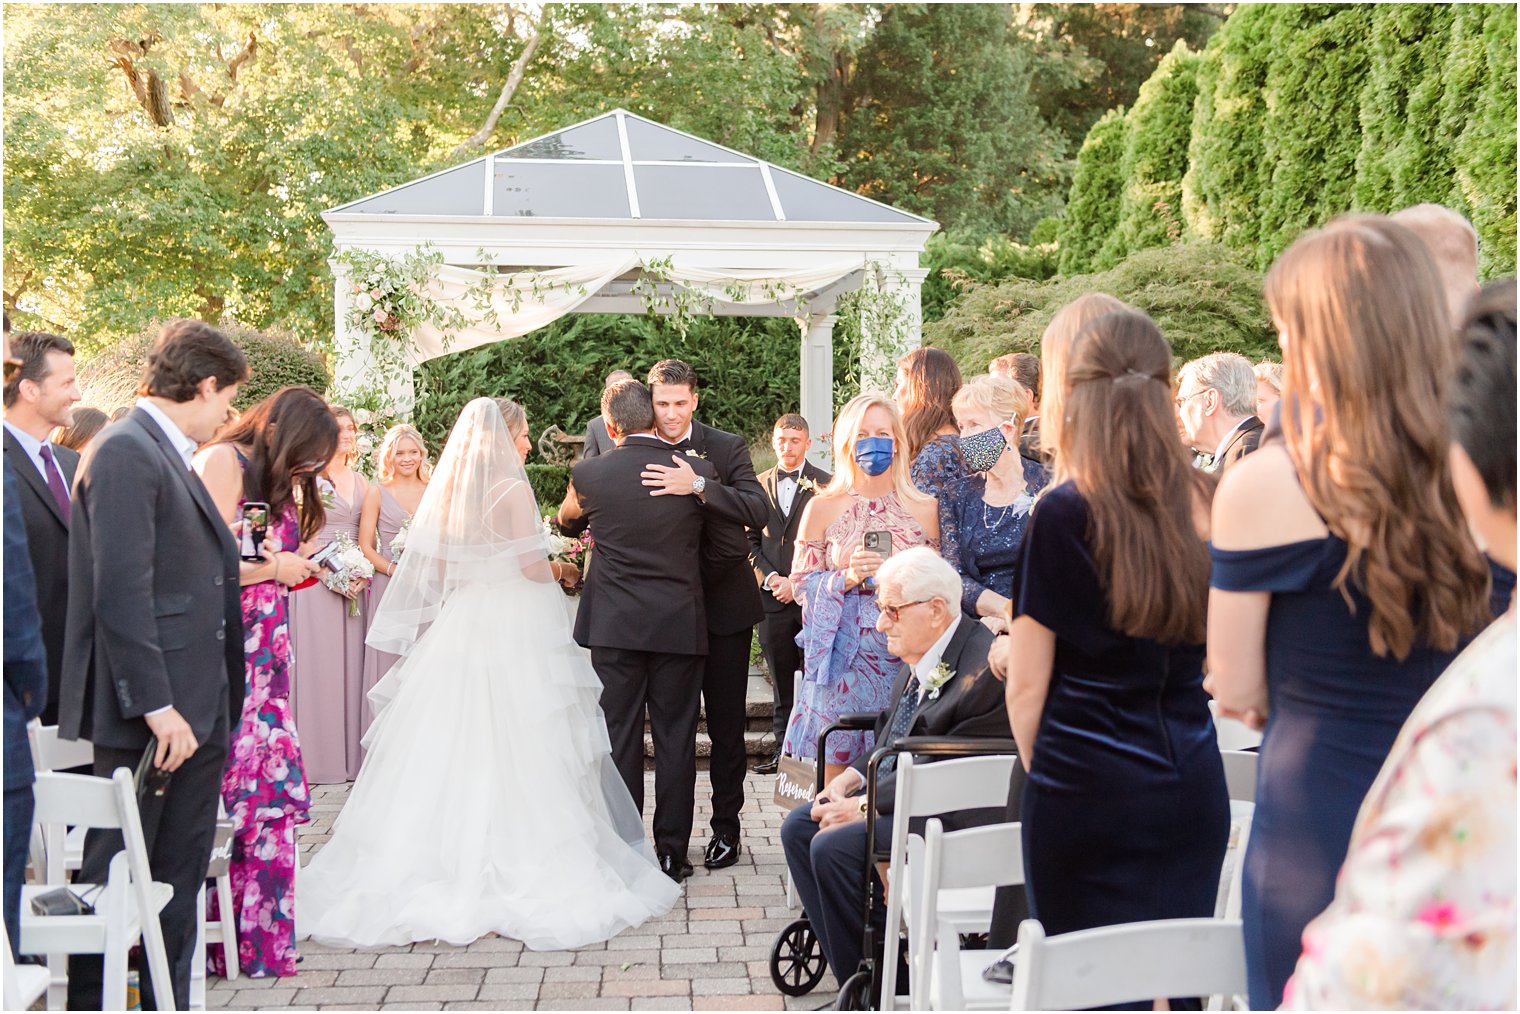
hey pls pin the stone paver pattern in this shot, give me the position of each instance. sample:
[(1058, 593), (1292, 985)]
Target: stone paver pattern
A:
[(710, 952)]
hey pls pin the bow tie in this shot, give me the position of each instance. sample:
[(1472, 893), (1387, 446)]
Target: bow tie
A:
[(794, 476)]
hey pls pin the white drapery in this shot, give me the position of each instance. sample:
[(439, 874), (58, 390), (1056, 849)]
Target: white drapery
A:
[(523, 302)]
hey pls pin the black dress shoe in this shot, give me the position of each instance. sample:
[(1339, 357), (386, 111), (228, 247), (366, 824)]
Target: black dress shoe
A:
[(722, 851), (768, 766), (676, 869)]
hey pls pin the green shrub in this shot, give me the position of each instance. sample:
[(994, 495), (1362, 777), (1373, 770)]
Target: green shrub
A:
[(953, 259), (549, 484), (275, 359), (1092, 209), (1160, 126), (1201, 295)]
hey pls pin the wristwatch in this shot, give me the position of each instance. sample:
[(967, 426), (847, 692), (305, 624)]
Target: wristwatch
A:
[(699, 485)]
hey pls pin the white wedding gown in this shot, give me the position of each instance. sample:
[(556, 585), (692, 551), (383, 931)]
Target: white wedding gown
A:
[(488, 801)]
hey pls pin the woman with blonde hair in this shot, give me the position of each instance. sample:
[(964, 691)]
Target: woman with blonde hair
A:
[(1055, 347), (1269, 385), (402, 471), (1344, 577), (983, 516), (846, 666)]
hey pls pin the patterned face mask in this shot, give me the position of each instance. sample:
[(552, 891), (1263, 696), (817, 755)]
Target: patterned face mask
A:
[(982, 450)]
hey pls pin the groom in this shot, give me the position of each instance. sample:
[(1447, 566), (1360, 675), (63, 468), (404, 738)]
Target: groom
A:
[(642, 613)]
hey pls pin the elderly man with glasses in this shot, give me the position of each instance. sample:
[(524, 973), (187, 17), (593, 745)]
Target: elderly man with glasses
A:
[(944, 689)]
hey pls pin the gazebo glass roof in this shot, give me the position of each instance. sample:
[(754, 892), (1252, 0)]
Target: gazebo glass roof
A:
[(622, 166)]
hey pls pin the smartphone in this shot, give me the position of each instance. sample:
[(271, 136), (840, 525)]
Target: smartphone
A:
[(255, 528), (878, 541), (151, 780)]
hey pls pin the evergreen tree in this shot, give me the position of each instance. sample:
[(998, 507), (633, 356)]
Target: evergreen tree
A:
[(1092, 208), (1155, 160), (1485, 154), (1227, 167), (1313, 128), (945, 125)]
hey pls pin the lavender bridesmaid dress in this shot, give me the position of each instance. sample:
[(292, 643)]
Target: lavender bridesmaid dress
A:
[(377, 663), (327, 691)]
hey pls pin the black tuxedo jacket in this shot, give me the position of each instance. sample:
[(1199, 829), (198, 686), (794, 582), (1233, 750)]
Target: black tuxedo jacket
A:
[(154, 618), (971, 705), (734, 503), (644, 583), (770, 545), (1245, 439), (47, 539)]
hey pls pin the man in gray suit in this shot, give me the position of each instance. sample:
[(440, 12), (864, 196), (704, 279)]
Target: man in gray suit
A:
[(154, 644), (598, 440)]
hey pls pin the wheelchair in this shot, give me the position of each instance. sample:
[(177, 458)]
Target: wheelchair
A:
[(797, 963)]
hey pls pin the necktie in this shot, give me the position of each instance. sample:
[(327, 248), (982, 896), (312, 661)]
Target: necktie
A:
[(55, 482), (902, 721)]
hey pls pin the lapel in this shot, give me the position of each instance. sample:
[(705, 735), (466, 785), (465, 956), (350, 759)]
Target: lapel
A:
[(27, 469), (770, 483), (800, 500), (193, 484), (951, 658)]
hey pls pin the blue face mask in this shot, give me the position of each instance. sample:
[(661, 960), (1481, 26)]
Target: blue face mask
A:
[(874, 454)]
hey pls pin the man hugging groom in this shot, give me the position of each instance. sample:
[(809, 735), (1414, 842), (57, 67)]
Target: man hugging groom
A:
[(670, 603)]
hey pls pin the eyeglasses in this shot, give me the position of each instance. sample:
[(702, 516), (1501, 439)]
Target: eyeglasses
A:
[(893, 612), (1183, 399)]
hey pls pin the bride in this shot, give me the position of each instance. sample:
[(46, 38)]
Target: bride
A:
[(488, 801)]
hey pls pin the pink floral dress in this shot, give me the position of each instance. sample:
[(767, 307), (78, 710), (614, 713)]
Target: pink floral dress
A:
[(264, 785)]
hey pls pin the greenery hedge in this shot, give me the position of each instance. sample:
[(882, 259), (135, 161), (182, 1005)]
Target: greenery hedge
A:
[(1301, 112), (549, 484), (276, 359), (1203, 297)]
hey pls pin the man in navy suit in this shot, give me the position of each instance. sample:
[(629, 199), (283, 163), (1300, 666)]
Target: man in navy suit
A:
[(26, 685), (788, 488)]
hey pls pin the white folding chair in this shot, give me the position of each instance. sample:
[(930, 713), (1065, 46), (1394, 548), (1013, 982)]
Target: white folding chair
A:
[(925, 789), (24, 984), (221, 930), (1232, 733), (63, 852), (1128, 963), (943, 976), (126, 907), (1240, 780)]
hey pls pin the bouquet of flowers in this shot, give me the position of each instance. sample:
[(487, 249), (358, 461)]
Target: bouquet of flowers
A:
[(398, 543), (346, 564), (572, 549)]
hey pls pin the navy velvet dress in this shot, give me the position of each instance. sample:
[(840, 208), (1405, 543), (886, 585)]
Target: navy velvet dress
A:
[(981, 542), (1335, 709), (1125, 811)]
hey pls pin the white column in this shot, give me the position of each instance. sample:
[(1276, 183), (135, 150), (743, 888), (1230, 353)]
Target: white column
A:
[(818, 384), (354, 375), (891, 322)]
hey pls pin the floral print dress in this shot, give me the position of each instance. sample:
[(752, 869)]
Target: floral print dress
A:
[(846, 666), (264, 784)]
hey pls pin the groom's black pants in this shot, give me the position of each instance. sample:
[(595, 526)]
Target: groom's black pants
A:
[(725, 685), (670, 687)]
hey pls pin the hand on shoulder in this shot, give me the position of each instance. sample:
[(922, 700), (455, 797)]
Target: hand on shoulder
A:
[(1260, 503)]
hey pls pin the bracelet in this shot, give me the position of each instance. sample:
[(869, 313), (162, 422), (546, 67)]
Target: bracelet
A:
[(277, 568), (554, 570)]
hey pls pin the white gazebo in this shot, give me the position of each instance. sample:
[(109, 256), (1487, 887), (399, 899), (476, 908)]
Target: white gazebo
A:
[(619, 214)]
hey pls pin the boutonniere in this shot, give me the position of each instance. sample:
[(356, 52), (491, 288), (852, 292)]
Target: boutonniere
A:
[(806, 485), (692, 452), (936, 679)]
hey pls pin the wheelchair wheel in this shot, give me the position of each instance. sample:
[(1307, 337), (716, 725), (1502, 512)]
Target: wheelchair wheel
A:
[(797, 963), (855, 994)]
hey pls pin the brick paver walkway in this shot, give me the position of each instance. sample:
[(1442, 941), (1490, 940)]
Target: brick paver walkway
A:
[(710, 952)]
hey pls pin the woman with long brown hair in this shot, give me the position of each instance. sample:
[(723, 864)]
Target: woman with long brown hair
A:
[(1055, 350), (1344, 576), (1125, 813), (271, 455), (927, 380), (328, 634)]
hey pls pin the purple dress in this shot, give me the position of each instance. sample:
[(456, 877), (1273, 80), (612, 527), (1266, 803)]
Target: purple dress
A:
[(327, 687), (392, 516), (845, 663), (264, 785)]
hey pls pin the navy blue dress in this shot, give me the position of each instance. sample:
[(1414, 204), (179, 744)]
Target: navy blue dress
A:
[(982, 542), (1335, 709), (1125, 810), (938, 464)]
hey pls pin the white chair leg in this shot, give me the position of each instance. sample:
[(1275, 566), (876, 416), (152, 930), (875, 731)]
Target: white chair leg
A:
[(58, 982), (113, 993), (229, 925), (198, 959)]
